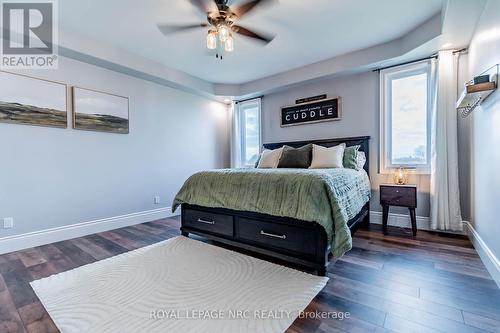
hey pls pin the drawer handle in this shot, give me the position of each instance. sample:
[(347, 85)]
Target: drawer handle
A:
[(206, 222), (262, 232)]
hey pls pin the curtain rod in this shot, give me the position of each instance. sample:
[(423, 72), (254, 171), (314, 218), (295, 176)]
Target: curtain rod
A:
[(434, 56), (249, 99), (405, 63)]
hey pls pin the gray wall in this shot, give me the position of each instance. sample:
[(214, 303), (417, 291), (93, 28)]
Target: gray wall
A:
[(55, 177), (484, 52), (360, 107)]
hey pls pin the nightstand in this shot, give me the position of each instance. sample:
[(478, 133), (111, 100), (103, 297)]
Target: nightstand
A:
[(401, 196)]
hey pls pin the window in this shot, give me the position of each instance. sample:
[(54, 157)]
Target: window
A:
[(405, 117), (249, 132)]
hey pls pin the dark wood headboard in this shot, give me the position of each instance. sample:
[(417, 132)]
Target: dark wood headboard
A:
[(363, 141)]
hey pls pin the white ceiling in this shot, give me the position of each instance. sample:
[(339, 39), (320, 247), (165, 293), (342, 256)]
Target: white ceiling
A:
[(307, 32)]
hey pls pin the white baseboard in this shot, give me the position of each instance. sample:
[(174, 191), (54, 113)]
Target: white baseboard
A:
[(487, 256), (47, 236), (400, 220), (403, 221)]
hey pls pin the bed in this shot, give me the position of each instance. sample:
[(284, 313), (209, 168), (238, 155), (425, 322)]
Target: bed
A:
[(301, 216)]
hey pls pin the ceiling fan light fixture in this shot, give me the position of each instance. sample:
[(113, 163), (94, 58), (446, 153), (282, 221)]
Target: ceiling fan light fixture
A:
[(229, 44), (212, 40), (221, 23), (223, 32)]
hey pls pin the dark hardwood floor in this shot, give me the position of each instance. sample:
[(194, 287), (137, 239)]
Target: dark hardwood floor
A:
[(387, 283)]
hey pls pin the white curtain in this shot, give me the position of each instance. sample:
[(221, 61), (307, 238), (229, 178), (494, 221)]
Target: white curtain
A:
[(235, 137), (445, 195)]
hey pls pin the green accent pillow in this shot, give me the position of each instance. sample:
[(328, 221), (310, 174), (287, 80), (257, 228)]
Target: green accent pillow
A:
[(296, 157), (351, 157)]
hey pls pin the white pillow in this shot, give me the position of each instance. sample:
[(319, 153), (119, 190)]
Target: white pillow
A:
[(361, 160), (323, 157), (270, 158)]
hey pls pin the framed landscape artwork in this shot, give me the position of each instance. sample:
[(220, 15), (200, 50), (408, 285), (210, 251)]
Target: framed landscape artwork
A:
[(30, 101), (98, 111)]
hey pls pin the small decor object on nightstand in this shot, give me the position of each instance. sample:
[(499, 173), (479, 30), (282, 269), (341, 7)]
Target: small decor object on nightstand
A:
[(401, 176), (401, 196)]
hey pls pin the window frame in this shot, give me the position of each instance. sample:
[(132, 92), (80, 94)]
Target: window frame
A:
[(241, 108), (386, 78)]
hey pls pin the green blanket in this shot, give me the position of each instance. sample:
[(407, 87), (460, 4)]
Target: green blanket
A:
[(330, 197)]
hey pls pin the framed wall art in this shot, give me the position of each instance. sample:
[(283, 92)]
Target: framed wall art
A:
[(98, 111), (312, 112), (31, 101)]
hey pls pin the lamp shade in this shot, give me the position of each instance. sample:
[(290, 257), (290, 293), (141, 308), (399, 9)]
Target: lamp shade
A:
[(229, 44), (211, 40), (401, 176), (223, 33)]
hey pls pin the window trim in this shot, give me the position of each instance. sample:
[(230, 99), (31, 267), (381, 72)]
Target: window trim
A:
[(386, 77), (241, 106)]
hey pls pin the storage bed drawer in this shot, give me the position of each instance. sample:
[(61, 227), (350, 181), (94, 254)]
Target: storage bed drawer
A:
[(275, 235), (211, 222)]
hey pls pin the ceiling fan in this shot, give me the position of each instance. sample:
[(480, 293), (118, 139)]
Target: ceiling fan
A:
[(221, 25)]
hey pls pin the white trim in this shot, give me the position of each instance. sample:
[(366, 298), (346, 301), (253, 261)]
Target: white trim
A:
[(400, 220), (403, 221), (47, 236), (241, 107), (487, 256), (386, 77), (419, 171)]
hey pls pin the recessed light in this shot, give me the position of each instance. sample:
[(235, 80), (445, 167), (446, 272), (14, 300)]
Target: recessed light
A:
[(446, 45)]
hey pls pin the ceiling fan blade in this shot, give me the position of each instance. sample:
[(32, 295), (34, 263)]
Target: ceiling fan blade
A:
[(249, 33), (168, 29), (206, 6), (245, 8)]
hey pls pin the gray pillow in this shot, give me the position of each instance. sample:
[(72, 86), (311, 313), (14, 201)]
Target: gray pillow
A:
[(296, 157)]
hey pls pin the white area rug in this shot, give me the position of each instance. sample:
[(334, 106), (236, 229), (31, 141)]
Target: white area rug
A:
[(179, 285)]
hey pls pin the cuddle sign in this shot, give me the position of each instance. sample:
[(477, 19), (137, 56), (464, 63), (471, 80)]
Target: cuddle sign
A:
[(311, 112)]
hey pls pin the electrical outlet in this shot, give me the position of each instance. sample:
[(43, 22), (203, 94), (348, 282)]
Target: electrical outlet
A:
[(8, 222), (157, 200)]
